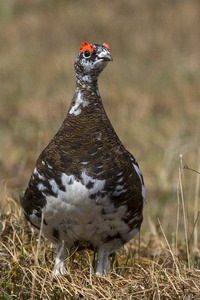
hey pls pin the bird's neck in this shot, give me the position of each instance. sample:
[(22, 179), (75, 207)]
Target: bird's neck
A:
[(86, 94), (86, 100), (86, 113), (86, 82)]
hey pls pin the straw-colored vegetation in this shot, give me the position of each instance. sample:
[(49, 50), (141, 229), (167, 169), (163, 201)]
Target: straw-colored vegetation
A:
[(152, 96)]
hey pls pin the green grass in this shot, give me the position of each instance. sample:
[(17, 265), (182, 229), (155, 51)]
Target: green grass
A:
[(151, 94)]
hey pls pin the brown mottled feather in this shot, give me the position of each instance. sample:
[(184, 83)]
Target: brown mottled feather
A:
[(87, 144)]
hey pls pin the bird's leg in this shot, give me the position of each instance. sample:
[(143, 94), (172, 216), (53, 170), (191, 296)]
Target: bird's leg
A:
[(102, 265), (59, 267)]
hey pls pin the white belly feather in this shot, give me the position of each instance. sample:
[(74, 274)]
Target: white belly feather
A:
[(80, 218)]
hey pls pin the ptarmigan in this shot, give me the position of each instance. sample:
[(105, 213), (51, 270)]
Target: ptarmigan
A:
[(86, 188)]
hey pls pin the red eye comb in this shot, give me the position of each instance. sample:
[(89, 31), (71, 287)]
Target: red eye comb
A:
[(107, 46), (86, 46)]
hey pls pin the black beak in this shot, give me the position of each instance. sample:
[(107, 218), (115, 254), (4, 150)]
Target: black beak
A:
[(105, 56)]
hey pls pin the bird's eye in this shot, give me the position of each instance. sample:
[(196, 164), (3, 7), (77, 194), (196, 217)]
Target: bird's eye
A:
[(87, 53)]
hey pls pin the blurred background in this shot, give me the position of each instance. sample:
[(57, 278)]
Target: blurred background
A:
[(151, 91)]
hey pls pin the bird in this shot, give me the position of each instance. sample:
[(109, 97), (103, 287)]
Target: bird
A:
[(86, 190)]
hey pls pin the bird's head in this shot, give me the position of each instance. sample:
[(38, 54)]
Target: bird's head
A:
[(92, 59)]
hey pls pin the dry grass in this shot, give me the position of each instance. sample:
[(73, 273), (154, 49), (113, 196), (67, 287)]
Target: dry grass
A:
[(26, 261), (151, 94)]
